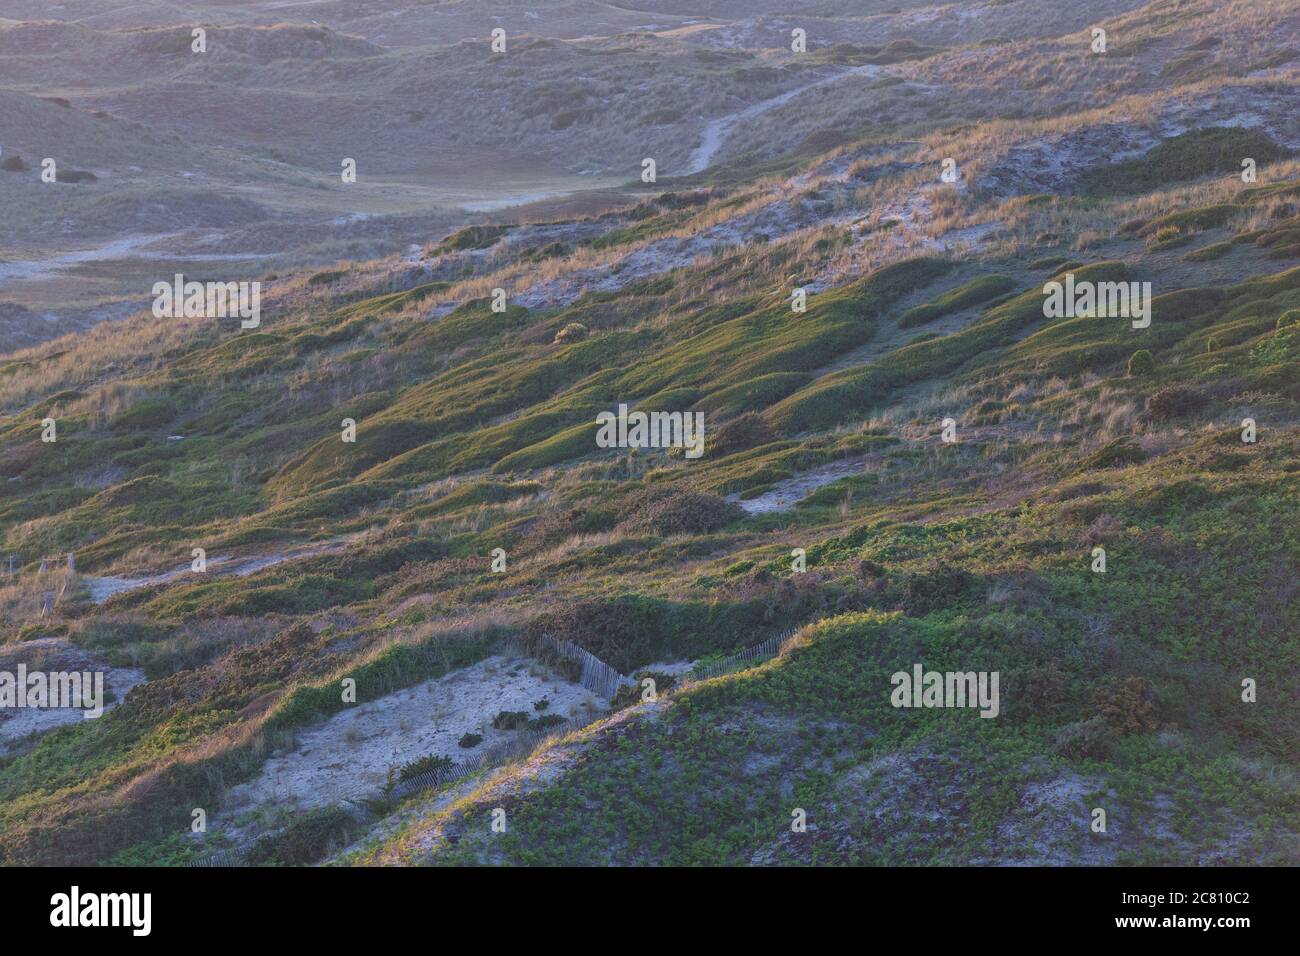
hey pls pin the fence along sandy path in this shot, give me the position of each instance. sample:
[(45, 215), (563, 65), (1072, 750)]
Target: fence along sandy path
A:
[(595, 675)]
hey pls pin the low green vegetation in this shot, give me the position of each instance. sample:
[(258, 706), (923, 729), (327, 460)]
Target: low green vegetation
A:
[(1196, 153), (973, 293), (474, 515)]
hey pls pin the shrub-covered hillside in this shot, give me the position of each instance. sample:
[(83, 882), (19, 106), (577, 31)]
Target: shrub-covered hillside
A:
[(908, 460)]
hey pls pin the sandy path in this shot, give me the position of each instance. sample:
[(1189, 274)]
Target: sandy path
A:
[(715, 133), (784, 495), (103, 588), (42, 268)]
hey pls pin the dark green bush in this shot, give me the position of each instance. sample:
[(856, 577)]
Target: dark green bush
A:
[(673, 510), (1174, 402), (510, 720), (1116, 454), (413, 768), (1086, 739), (927, 591), (306, 840), (1141, 363), (748, 431), (573, 332)]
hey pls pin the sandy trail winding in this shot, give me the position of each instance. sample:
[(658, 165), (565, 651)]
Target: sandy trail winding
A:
[(715, 134), (103, 588), (17, 271), (784, 495)]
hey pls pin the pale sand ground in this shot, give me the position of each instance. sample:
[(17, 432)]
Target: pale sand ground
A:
[(715, 134), (349, 755), (103, 588), (784, 495), (56, 654)]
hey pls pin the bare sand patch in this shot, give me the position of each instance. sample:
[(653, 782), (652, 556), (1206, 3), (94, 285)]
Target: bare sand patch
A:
[(349, 756), (103, 588), (785, 494), (56, 654)]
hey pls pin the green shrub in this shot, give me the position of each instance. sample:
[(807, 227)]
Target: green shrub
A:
[(422, 765), (545, 722), (940, 587), (966, 296), (628, 631), (1174, 402), (752, 395), (568, 444), (841, 395), (1184, 304), (1167, 230), (1141, 363), (472, 237), (1091, 739), (172, 850), (308, 838), (573, 332), (1166, 237), (1127, 705), (510, 720), (748, 431), (1215, 250), (326, 277), (673, 510), (145, 416), (1116, 454), (1190, 155)]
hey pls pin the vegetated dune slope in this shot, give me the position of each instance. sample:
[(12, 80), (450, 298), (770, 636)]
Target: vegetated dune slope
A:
[(1172, 446)]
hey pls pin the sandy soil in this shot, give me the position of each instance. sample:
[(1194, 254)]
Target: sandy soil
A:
[(349, 755), (540, 770), (784, 495), (103, 588), (715, 134), (56, 654), (15, 271)]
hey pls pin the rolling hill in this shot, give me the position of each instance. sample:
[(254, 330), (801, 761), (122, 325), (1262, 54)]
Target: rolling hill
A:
[(910, 459)]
